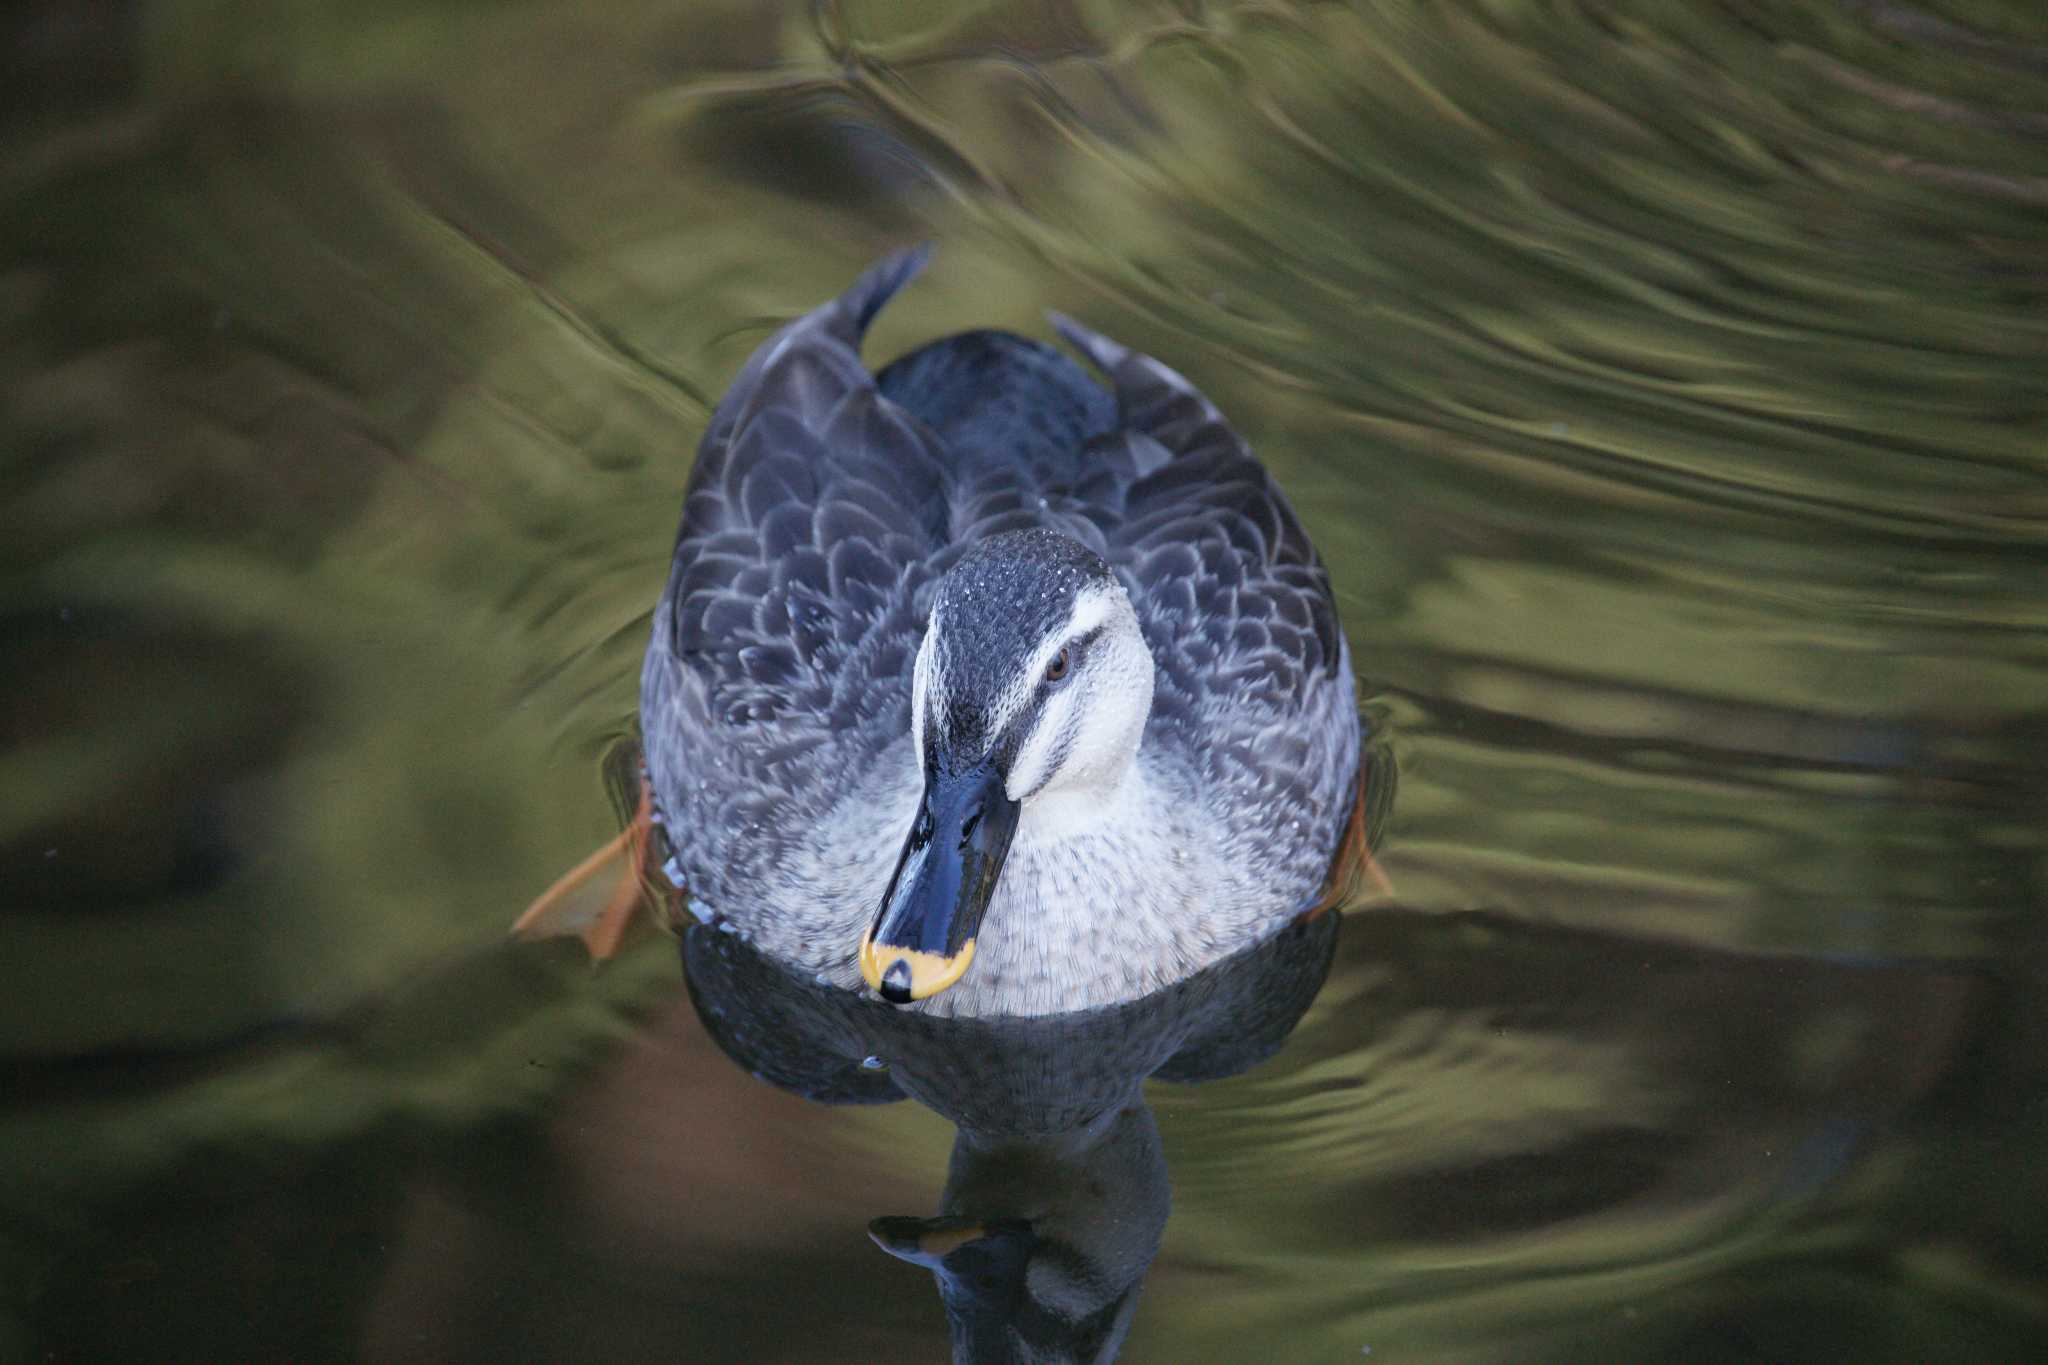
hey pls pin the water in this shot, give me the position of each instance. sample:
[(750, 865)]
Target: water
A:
[(1665, 384)]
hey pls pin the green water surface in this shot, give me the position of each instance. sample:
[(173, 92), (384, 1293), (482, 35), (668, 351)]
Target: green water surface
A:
[(1665, 384)]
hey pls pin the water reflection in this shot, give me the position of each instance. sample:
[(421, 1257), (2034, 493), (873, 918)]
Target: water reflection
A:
[(1057, 1191)]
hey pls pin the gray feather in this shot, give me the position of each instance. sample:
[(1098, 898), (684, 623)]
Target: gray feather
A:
[(825, 506)]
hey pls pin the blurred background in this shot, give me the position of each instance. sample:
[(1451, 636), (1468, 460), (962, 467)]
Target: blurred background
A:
[(1665, 384)]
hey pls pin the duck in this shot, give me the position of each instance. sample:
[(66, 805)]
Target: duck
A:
[(984, 687)]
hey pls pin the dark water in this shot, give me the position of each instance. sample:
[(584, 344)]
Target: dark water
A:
[(1666, 385)]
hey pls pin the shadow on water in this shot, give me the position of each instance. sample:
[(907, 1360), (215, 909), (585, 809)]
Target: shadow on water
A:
[(1665, 385)]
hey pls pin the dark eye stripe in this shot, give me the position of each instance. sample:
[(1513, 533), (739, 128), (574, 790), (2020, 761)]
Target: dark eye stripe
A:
[(1074, 649), (1061, 748)]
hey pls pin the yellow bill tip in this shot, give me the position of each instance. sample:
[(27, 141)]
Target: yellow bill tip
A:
[(901, 975)]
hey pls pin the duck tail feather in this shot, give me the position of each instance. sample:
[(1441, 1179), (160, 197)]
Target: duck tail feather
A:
[(878, 284)]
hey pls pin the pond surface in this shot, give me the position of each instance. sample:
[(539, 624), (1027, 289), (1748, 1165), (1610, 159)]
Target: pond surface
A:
[(1665, 386)]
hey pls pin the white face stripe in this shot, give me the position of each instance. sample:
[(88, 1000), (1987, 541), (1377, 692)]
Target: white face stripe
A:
[(1032, 767), (1087, 730), (927, 679), (1090, 729), (1092, 606)]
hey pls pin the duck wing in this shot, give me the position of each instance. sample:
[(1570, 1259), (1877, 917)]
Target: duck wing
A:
[(781, 646), (1253, 682)]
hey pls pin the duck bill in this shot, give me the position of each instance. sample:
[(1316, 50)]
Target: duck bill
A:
[(923, 939)]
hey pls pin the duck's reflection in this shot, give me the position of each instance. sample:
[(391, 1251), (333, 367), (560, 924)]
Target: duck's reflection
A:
[(1057, 1192), (1043, 1242)]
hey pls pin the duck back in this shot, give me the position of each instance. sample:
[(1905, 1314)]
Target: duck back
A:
[(1003, 404)]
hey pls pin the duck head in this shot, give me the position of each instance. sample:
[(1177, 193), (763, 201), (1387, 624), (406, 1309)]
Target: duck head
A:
[(1029, 699)]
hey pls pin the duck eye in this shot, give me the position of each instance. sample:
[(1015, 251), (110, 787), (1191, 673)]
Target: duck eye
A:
[(1057, 669)]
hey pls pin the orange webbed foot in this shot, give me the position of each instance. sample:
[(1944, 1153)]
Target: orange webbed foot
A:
[(1353, 866), (595, 899)]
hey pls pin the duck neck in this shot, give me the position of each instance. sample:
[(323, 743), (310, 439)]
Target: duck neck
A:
[(1084, 808)]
